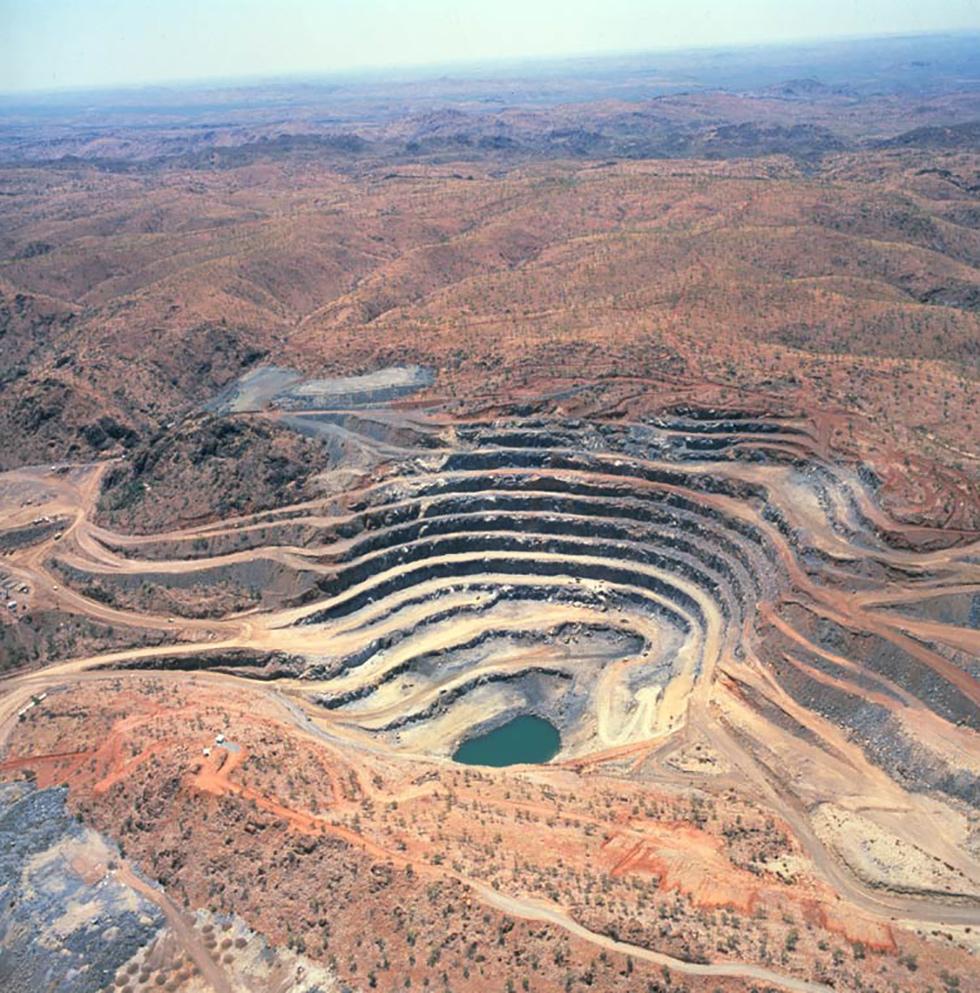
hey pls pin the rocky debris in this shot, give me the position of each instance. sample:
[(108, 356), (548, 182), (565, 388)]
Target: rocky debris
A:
[(31, 534), (66, 923)]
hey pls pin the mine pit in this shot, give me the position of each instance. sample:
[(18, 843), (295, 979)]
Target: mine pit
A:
[(594, 575)]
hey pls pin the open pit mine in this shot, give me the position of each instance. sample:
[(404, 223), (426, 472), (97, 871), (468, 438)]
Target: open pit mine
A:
[(547, 693)]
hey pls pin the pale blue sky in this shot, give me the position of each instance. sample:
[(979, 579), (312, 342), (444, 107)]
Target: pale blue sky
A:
[(46, 44)]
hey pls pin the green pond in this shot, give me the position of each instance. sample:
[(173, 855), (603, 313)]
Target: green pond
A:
[(524, 739)]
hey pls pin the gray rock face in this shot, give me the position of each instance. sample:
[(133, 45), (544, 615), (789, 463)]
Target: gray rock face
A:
[(66, 924)]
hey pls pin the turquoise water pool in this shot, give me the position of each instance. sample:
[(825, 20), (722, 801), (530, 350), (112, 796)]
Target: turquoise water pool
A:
[(524, 739)]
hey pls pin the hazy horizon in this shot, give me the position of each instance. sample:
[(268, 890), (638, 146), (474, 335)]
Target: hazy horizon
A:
[(57, 46), (466, 68)]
